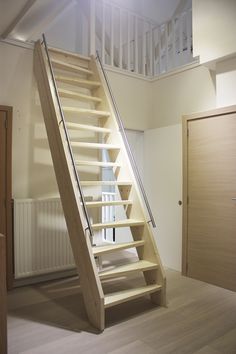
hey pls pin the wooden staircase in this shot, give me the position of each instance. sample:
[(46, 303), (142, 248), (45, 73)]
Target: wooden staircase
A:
[(79, 81)]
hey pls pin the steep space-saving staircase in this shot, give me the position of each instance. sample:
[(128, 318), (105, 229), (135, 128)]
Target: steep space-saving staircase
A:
[(64, 77)]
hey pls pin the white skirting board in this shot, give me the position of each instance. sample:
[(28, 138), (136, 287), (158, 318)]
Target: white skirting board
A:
[(41, 241)]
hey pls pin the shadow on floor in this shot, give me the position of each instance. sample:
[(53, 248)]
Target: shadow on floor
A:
[(60, 304)]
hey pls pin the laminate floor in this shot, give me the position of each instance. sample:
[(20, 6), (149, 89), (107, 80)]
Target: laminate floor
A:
[(49, 318)]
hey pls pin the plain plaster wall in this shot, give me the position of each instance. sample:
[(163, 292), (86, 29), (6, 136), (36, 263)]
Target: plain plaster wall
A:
[(33, 174), (134, 99), (214, 29), (32, 167), (163, 183), (226, 82), (185, 92)]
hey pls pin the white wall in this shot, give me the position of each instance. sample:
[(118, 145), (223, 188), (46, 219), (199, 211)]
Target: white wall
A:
[(226, 82), (32, 166), (63, 31), (136, 142), (183, 93), (158, 10), (33, 174), (163, 183), (134, 99), (214, 28)]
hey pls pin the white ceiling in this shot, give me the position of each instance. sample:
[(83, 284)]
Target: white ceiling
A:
[(158, 10), (9, 9), (39, 14), (42, 12)]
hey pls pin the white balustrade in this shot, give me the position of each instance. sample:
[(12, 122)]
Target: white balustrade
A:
[(128, 41)]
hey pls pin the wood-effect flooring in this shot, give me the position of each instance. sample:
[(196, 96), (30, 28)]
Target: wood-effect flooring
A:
[(50, 318)]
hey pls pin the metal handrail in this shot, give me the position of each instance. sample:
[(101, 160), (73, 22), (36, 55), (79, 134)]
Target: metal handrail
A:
[(89, 227), (127, 145)]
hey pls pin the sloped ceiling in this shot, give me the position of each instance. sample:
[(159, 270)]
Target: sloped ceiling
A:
[(9, 9), (26, 19), (29, 17)]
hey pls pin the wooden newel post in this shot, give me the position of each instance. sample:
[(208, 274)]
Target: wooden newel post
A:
[(3, 297)]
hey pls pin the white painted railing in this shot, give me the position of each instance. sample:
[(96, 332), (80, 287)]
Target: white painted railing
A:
[(128, 41), (172, 43), (122, 38)]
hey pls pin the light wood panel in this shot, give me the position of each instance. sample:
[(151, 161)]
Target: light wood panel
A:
[(126, 269), (76, 126), (94, 145), (97, 163), (99, 250), (69, 67), (138, 210), (65, 53), (125, 184), (149, 263), (80, 241), (122, 296), (120, 223), (3, 297), (108, 203), (87, 112), (210, 212), (78, 96), (78, 82)]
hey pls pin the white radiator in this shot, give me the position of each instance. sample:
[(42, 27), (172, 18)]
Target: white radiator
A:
[(41, 241)]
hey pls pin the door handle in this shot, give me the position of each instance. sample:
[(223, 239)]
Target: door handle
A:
[(233, 198)]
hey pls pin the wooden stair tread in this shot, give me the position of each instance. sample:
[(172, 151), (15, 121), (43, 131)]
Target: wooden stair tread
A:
[(104, 203), (78, 82), (74, 68), (70, 54), (71, 73), (94, 145), (87, 127), (106, 183), (92, 112), (127, 295), (77, 95), (139, 266), (99, 250), (120, 223), (97, 163)]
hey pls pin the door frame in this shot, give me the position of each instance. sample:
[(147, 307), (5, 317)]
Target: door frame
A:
[(185, 120), (9, 218)]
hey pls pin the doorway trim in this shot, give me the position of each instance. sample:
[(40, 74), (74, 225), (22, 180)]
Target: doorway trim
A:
[(185, 120), (9, 231)]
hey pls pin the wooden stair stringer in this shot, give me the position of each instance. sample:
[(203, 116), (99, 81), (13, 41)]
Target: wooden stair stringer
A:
[(149, 252), (79, 238)]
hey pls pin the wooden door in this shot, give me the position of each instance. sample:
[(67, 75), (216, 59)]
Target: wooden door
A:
[(210, 207), (5, 186), (3, 177), (3, 297)]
